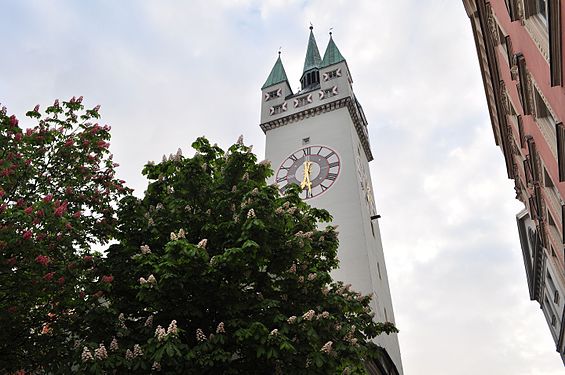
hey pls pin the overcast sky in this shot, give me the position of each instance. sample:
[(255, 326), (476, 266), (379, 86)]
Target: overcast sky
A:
[(160, 68)]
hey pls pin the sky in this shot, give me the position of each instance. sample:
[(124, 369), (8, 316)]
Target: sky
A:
[(166, 72)]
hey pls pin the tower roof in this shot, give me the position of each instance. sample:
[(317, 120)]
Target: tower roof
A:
[(277, 74), (313, 59), (332, 54)]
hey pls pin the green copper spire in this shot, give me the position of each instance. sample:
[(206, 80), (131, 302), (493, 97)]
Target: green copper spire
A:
[(332, 54), (313, 59), (277, 75)]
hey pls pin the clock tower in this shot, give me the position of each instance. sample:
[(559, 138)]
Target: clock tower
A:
[(317, 138)]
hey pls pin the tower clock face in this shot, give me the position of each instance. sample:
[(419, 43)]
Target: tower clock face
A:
[(313, 168)]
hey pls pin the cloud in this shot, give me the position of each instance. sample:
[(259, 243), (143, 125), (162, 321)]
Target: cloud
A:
[(167, 72)]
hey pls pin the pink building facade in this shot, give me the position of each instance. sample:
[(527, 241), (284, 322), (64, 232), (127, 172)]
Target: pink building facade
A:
[(519, 46)]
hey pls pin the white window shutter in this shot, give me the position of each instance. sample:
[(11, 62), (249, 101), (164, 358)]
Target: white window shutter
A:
[(271, 110), (321, 93), (309, 98)]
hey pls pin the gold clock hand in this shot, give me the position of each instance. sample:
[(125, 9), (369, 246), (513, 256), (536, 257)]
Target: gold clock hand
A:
[(306, 176)]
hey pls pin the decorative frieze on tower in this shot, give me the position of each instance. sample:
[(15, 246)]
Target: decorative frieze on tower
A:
[(317, 138)]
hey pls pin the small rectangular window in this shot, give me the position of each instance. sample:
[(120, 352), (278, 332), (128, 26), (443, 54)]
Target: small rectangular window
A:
[(277, 109), (273, 94), (332, 74)]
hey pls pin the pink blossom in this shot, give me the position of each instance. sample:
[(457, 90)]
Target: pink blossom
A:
[(48, 276), (3, 207), (27, 235), (2, 193), (18, 137), (69, 142), (48, 198), (59, 211), (36, 109), (61, 280), (43, 260), (77, 214), (13, 120), (28, 210), (107, 279), (87, 258)]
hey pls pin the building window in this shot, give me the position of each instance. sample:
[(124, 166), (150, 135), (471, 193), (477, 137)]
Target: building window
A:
[(556, 297), (302, 101), (273, 94), (379, 270), (545, 121), (306, 140), (541, 9), (560, 129), (328, 93), (275, 110)]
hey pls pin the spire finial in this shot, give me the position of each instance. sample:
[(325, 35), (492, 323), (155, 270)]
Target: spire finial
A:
[(280, 50), (331, 28), (311, 26)]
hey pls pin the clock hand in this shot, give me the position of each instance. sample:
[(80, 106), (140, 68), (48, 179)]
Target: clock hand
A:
[(306, 177)]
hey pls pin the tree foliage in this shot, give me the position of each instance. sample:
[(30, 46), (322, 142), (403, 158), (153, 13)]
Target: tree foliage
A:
[(57, 186), (213, 271), (219, 273)]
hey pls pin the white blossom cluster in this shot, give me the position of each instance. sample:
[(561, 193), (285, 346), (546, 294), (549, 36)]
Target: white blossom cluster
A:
[(309, 315), (178, 236), (291, 319), (220, 328), (151, 280), (156, 366), (149, 321), (274, 332), (114, 345), (251, 214), (160, 333), (86, 355), (137, 352), (145, 249), (327, 348), (100, 353), (301, 234), (200, 336), (202, 244), (292, 268)]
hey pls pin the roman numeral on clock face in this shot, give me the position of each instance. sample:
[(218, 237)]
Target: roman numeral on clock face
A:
[(331, 176)]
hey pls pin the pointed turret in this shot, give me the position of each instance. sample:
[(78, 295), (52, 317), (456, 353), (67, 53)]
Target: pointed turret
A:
[(313, 59), (332, 54), (310, 74), (277, 74)]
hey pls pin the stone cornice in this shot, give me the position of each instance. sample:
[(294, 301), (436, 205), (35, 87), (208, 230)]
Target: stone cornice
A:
[(358, 121)]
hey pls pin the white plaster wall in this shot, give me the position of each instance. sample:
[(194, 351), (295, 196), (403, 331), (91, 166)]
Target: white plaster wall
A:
[(359, 251)]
